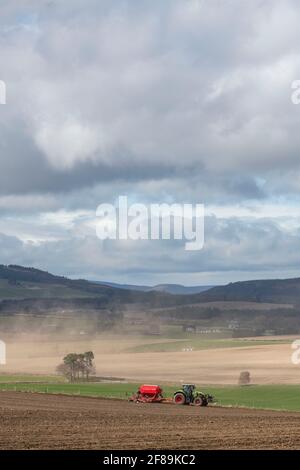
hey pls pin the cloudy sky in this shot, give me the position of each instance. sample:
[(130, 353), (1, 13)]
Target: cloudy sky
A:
[(185, 101)]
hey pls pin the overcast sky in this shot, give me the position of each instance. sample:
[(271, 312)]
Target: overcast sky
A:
[(162, 101)]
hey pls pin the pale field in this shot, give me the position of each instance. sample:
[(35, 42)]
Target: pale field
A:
[(266, 363)]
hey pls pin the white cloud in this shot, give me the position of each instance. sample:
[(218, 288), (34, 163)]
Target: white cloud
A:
[(68, 144)]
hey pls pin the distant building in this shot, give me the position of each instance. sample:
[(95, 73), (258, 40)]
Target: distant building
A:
[(269, 332), (233, 325), (189, 328), (208, 331)]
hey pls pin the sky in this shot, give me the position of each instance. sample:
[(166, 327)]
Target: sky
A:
[(180, 101)]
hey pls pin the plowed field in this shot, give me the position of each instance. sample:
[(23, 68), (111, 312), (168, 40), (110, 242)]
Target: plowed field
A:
[(37, 421)]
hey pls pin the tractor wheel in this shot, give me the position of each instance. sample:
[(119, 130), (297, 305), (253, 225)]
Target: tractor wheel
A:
[(198, 401), (179, 398)]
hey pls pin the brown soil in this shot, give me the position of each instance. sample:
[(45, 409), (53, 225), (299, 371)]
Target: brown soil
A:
[(35, 421)]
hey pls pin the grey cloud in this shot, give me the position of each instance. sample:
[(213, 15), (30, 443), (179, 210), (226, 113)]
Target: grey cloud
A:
[(152, 89), (232, 245), (185, 101)]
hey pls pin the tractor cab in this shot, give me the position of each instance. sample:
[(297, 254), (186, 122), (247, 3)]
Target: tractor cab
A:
[(188, 390)]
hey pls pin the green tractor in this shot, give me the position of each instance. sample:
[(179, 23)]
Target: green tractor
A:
[(189, 396)]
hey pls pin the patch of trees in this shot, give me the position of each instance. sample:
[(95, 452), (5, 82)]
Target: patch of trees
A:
[(77, 367)]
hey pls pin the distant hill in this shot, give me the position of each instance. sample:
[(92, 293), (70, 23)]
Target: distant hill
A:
[(178, 289), (247, 308), (124, 286), (270, 290), (175, 289), (26, 282), (20, 283)]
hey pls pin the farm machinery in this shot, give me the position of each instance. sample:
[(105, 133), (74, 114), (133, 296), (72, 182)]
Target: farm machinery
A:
[(148, 394), (187, 395)]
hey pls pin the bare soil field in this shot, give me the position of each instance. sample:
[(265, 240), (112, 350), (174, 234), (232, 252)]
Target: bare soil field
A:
[(35, 421), (267, 364)]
